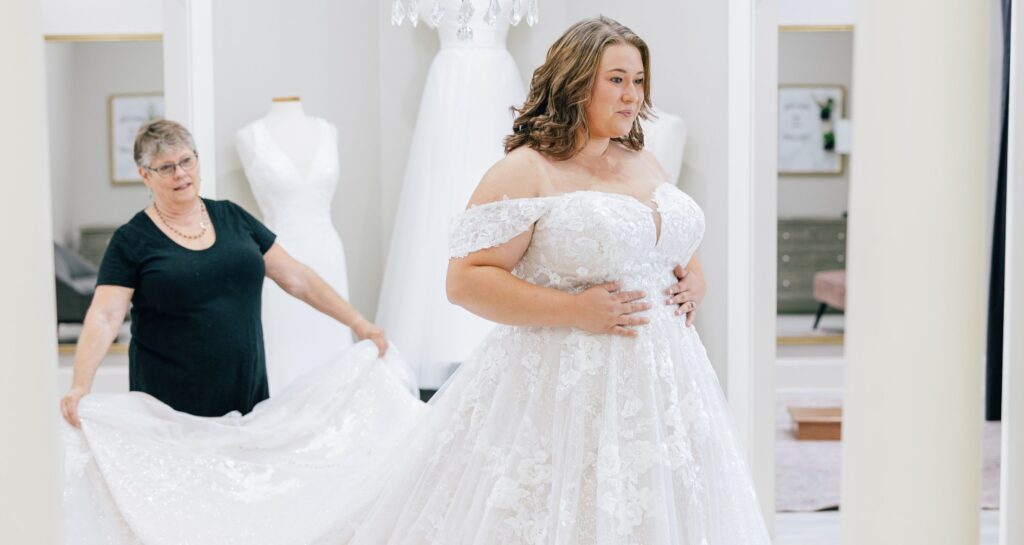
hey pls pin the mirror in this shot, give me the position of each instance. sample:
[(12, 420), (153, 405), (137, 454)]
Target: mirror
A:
[(99, 90)]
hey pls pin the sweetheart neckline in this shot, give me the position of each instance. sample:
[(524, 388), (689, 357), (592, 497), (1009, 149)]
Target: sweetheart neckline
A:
[(655, 211)]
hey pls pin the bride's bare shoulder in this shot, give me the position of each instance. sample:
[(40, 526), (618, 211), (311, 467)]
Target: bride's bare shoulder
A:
[(518, 175)]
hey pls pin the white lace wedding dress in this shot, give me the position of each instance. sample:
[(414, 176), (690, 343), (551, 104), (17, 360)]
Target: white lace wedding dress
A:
[(296, 206), (550, 436)]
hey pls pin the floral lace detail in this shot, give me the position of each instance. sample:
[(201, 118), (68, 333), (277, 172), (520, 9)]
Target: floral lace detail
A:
[(491, 224)]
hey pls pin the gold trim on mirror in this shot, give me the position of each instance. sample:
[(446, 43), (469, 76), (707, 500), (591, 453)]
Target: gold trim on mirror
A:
[(815, 28), (805, 340), (68, 349), (154, 37)]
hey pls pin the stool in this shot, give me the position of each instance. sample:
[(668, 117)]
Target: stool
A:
[(830, 291)]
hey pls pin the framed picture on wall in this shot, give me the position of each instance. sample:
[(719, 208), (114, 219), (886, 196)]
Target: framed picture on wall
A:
[(126, 113), (807, 120)]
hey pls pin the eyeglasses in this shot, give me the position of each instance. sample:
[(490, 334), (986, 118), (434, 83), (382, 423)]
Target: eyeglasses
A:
[(166, 171)]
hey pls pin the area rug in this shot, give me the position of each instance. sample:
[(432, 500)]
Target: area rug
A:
[(807, 473)]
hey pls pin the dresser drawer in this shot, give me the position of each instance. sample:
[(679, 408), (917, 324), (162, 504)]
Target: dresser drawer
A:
[(806, 246)]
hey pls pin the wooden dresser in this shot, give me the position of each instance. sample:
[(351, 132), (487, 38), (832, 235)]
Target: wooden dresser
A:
[(806, 246)]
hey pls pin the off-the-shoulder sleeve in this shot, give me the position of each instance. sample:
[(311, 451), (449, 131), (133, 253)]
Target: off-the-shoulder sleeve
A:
[(494, 223)]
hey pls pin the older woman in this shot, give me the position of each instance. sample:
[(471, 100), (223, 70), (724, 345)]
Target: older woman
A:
[(192, 269)]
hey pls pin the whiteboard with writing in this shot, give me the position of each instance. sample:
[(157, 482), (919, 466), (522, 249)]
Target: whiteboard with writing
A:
[(127, 114), (803, 131)]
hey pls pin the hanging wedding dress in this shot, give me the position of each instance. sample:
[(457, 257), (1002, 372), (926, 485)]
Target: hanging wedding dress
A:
[(297, 207), (545, 436), (463, 118)]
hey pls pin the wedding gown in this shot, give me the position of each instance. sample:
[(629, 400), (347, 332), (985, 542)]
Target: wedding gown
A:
[(545, 436), (297, 207), (463, 118)]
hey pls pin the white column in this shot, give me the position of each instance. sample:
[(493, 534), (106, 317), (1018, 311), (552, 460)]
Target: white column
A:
[(912, 429), (763, 271), (751, 196), (29, 486), (751, 256), (1011, 528), (188, 78)]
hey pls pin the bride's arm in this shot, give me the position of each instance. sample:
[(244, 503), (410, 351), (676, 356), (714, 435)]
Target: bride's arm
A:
[(482, 282)]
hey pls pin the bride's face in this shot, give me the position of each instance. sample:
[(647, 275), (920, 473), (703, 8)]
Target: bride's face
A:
[(618, 92)]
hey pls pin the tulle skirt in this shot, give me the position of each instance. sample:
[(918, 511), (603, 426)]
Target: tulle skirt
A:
[(463, 119), (544, 436)]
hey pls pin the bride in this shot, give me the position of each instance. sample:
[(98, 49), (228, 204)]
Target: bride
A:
[(591, 416)]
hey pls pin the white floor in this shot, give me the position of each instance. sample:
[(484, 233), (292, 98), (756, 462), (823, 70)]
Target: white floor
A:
[(817, 369), (793, 325), (823, 529)]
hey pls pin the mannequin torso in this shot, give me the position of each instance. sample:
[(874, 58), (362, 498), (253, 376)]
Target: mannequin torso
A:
[(296, 133), (665, 137)]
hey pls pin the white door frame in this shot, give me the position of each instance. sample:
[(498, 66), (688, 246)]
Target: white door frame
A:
[(751, 226), (188, 79)]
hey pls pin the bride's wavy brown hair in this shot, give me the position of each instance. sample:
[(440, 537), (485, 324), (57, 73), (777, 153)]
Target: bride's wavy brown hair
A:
[(553, 120)]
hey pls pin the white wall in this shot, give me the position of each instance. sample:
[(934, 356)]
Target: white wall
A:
[(102, 16), (81, 78), (325, 52), (816, 58), (59, 76), (817, 12), (29, 459)]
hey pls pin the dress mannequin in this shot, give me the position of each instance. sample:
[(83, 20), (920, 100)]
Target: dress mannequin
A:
[(665, 137), (294, 131), (291, 161)]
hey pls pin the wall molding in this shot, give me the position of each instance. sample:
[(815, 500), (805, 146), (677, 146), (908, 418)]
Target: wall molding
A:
[(816, 28), (145, 37)]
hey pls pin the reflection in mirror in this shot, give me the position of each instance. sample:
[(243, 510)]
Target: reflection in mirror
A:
[(98, 92), (814, 65)]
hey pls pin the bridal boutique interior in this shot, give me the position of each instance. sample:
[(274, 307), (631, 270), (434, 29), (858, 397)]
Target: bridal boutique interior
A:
[(909, 382)]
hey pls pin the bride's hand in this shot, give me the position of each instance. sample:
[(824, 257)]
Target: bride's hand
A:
[(605, 309), (366, 330), (688, 293), (69, 405)]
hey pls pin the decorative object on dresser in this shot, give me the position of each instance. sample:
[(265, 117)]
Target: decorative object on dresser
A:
[(806, 246)]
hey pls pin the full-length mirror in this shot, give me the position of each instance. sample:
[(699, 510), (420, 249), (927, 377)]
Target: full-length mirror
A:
[(99, 90)]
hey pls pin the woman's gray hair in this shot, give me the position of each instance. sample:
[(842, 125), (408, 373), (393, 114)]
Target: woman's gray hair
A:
[(159, 136)]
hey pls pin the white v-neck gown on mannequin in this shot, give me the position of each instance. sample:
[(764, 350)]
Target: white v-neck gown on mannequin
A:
[(297, 207), (464, 116)]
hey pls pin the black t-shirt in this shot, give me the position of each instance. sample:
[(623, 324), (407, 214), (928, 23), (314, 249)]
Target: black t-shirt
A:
[(197, 337)]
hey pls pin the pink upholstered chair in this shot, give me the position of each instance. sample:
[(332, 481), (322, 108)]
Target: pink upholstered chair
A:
[(830, 291)]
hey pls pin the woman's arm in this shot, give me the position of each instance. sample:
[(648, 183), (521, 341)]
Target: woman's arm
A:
[(482, 282), (303, 283), (102, 324)]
